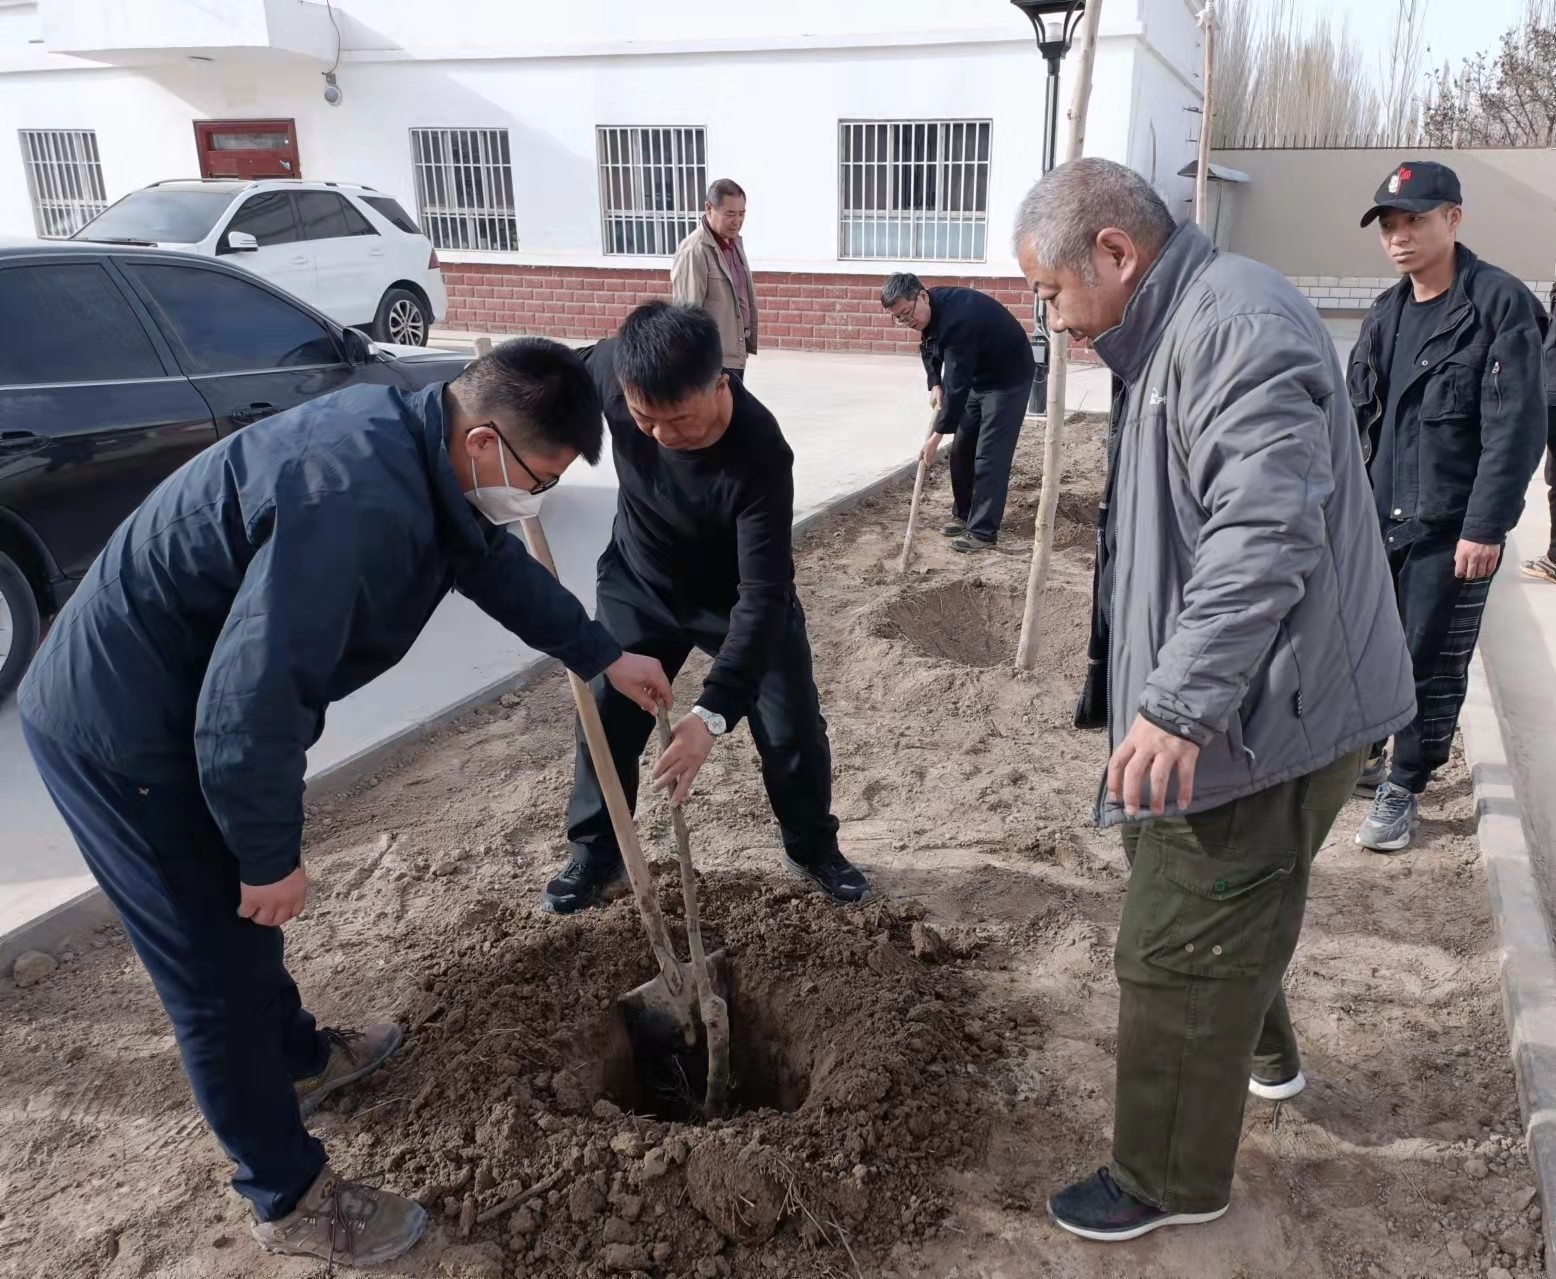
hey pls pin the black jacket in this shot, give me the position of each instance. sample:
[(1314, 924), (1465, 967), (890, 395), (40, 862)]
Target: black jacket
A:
[(1550, 349), (1472, 421), (972, 344), (275, 573), (707, 533)]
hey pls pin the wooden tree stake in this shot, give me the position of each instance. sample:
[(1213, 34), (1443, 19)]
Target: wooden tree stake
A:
[(1207, 20), (1058, 357)]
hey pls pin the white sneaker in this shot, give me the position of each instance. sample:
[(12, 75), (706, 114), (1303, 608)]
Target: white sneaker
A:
[(1277, 1092)]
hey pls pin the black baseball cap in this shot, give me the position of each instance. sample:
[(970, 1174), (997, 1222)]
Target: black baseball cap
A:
[(1415, 186)]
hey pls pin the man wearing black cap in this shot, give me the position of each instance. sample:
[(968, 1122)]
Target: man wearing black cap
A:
[(1446, 382)]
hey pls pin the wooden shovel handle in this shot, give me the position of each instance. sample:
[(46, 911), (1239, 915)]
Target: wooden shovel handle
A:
[(713, 1009), (683, 848), (918, 492), (670, 966)]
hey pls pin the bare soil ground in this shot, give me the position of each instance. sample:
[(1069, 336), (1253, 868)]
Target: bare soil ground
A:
[(916, 1075)]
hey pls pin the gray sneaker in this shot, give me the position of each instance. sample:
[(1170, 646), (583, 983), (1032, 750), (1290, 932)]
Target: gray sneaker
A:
[(1395, 813), (343, 1222), (1374, 773), (971, 544), (953, 527), (353, 1054)]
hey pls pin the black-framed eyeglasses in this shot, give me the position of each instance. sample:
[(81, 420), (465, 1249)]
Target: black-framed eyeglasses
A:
[(905, 318), (541, 486)]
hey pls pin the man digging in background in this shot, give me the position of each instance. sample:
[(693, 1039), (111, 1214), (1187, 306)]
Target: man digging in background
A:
[(171, 707), (1252, 654), (980, 366), (1447, 386), (701, 557)]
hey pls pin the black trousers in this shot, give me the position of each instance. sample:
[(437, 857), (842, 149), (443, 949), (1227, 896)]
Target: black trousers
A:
[(241, 1028), (981, 453), (1442, 616), (786, 721), (1550, 475)]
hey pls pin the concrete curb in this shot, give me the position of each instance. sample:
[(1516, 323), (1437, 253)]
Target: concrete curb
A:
[(87, 911), (1526, 957)]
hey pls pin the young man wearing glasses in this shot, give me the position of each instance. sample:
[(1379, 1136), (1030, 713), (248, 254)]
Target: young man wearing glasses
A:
[(701, 557), (171, 708), (979, 362)]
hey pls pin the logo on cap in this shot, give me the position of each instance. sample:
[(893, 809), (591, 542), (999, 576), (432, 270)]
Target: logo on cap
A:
[(1402, 176)]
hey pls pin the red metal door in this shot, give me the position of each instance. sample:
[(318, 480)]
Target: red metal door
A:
[(247, 148)]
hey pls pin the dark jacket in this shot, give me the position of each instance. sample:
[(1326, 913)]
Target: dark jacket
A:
[(972, 344), (1550, 348), (707, 534), (273, 574), (1249, 599), (1471, 425)]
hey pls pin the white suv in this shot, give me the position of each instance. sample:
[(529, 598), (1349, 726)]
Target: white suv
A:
[(351, 251)]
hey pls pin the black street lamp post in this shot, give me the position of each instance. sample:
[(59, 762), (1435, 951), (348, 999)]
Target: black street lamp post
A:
[(1055, 22)]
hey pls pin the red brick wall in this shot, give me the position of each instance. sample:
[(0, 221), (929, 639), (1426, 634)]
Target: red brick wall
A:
[(811, 312)]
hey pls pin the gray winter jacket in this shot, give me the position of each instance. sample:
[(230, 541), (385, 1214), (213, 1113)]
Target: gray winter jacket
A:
[(1250, 606)]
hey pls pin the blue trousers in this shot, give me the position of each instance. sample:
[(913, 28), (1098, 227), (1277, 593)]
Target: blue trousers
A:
[(240, 1025)]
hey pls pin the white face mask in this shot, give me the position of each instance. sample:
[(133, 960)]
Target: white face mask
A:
[(503, 504)]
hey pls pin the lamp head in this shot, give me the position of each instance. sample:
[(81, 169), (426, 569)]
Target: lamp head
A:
[(1054, 21)]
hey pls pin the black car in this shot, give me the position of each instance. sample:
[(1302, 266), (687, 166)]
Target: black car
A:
[(118, 364)]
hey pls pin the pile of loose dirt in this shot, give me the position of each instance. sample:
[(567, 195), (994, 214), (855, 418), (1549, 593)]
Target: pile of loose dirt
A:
[(914, 1076), (840, 1021)]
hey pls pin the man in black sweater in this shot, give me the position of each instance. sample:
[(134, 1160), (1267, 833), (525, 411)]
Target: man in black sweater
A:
[(980, 366), (700, 557)]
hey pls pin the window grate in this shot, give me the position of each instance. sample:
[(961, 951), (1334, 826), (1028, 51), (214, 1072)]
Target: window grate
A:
[(652, 184), (65, 178), (913, 189), (464, 188)]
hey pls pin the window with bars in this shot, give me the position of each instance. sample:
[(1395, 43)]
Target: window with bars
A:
[(652, 184), (65, 178), (913, 189), (464, 188)]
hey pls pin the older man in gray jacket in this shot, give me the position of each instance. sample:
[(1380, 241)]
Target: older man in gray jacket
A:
[(1250, 649)]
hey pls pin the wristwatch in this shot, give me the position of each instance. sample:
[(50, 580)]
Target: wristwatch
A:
[(714, 721)]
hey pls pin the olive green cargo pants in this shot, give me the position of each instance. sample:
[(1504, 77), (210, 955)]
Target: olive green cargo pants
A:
[(1211, 919)]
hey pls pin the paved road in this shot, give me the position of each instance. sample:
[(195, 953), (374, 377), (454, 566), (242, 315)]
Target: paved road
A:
[(849, 418)]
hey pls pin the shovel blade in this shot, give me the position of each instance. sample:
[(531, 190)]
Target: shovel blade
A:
[(662, 1058)]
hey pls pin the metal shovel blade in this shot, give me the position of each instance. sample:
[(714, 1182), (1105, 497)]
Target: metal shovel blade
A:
[(670, 1055)]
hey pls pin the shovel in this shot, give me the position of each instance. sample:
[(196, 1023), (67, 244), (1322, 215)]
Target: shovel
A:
[(660, 1016), (918, 492), (712, 1006)]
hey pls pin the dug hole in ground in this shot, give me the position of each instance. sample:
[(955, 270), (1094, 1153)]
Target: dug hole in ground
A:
[(914, 1076)]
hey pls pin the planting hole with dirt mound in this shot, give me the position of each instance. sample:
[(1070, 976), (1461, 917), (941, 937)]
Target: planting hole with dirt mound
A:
[(968, 622), (647, 1076)]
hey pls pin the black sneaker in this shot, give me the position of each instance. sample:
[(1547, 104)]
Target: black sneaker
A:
[(582, 883), (1099, 1208), (836, 876), (953, 527)]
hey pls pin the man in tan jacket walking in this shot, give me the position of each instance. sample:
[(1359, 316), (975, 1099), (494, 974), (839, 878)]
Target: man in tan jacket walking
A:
[(711, 271)]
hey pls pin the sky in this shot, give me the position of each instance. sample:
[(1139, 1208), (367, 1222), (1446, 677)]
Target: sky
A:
[(1449, 31)]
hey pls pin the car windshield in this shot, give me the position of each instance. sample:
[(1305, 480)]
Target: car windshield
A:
[(161, 217)]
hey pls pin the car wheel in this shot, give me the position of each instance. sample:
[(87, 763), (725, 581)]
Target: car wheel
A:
[(402, 318), (19, 625)]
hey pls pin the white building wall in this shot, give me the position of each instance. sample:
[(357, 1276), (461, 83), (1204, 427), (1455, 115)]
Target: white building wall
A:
[(549, 74)]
